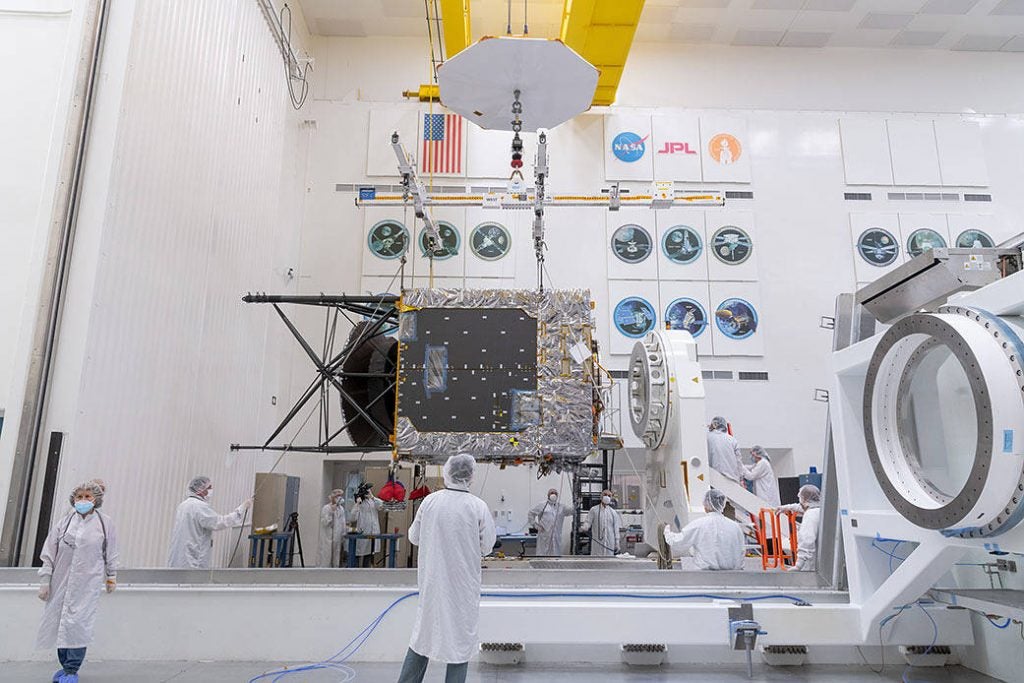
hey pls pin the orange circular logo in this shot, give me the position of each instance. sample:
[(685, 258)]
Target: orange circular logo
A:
[(725, 149)]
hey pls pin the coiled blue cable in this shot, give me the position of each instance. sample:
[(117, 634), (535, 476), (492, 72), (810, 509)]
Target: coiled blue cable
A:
[(334, 662)]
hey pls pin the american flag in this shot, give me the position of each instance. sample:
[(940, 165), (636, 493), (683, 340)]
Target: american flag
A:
[(442, 144)]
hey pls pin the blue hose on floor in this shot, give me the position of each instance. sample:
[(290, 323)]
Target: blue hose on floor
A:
[(337, 664)]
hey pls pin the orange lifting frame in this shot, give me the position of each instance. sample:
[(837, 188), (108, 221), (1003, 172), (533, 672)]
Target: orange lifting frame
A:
[(776, 558)]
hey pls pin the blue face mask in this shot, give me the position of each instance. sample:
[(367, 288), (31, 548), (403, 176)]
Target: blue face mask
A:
[(84, 507)]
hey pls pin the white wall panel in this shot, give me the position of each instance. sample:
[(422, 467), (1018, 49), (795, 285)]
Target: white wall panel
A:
[(204, 199), (682, 244), (866, 158), (627, 147), (686, 306), (380, 157), (725, 149), (489, 249), (632, 242), (675, 144), (919, 230), (876, 247), (963, 229), (451, 264), (489, 153), (733, 247), (961, 153), (634, 309), (737, 319), (915, 158)]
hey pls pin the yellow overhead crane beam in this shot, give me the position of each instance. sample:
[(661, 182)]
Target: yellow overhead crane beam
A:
[(601, 31), (455, 25)]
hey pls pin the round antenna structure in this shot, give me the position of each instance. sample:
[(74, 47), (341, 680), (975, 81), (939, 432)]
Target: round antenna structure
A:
[(648, 390), (367, 376), (554, 83), (943, 419)]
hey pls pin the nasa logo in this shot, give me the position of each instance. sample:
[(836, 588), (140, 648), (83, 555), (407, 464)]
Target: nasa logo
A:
[(629, 147), (677, 148)]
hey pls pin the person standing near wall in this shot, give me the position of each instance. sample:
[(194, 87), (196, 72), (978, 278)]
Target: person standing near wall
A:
[(603, 522), (367, 518), (194, 524), (723, 449), (453, 529), (548, 518), (809, 496), (333, 526), (79, 561)]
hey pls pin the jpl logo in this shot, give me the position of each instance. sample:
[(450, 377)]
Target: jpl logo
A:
[(677, 148), (629, 147)]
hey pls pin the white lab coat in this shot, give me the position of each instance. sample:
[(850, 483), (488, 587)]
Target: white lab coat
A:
[(192, 536), (333, 523), (453, 530), (766, 486), (603, 522), (72, 557), (724, 454), (367, 522), (806, 537), (548, 518), (717, 542)]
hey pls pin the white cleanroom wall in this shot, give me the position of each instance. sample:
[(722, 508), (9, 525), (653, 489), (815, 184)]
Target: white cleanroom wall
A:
[(192, 197), (39, 40)]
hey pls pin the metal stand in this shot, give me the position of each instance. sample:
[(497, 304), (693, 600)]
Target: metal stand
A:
[(293, 528)]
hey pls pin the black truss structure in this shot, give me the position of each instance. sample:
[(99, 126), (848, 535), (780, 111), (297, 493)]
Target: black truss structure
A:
[(361, 376)]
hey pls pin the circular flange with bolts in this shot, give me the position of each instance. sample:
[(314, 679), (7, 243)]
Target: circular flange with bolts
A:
[(990, 353), (648, 390)]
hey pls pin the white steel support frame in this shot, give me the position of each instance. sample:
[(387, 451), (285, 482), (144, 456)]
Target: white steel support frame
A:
[(866, 513)]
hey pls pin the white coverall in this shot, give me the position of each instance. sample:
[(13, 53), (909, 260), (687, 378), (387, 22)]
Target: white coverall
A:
[(806, 537), (367, 522), (192, 536), (548, 518), (333, 527), (717, 542), (724, 454), (73, 559), (766, 486), (603, 522), (453, 530)]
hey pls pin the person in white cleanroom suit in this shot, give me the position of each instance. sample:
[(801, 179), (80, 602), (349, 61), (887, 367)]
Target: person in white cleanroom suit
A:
[(723, 450), (453, 529), (762, 476), (603, 522), (367, 518), (716, 542), (333, 525), (807, 535), (79, 561), (194, 524), (547, 517)]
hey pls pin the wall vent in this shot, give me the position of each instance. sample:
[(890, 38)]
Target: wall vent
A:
[(924, 196), (738, 194), (753, 377), (717, 374), (977, 197), (857, 196)]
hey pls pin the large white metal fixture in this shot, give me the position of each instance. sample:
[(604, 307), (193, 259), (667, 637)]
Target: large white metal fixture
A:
[(943, 419), (554, 83)]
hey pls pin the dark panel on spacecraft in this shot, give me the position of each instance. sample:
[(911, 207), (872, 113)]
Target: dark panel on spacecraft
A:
[(462, 369)]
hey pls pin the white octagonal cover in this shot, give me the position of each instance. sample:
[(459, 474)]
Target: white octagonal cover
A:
[(554, 83)]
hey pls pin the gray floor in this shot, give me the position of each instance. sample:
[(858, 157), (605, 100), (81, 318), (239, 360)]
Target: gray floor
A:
[(179, 672)]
